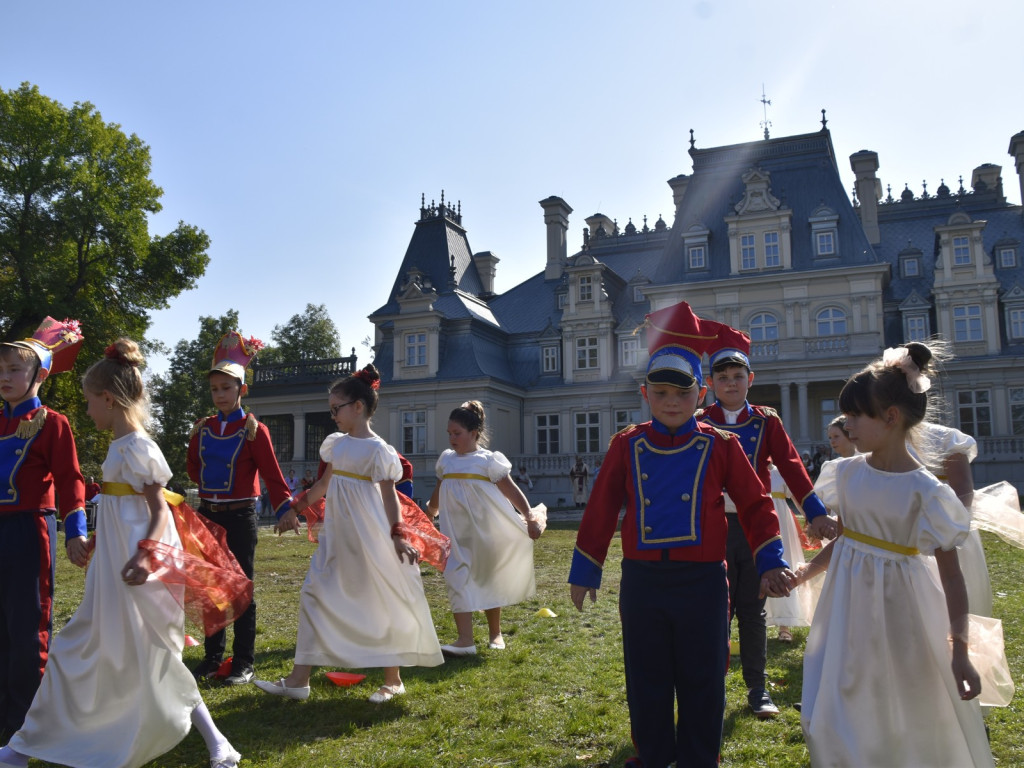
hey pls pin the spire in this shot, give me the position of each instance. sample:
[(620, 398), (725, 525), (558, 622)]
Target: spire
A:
[(765, 103)]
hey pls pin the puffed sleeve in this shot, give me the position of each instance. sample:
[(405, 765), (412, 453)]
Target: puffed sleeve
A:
[(386, 465), (143, 464), (942, 441), (441, 461), (498, 466), (327, 446), (944, 522), (826, 487)]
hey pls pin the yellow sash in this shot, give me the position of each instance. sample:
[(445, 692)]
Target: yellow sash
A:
[(353, 475), (465, 476), (778, 495), (880, 543), (123, 489)]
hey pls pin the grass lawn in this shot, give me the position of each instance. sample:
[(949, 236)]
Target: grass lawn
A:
[(554, 698)]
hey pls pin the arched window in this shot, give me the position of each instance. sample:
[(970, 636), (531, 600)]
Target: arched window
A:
[(764, 327), (831, 322)]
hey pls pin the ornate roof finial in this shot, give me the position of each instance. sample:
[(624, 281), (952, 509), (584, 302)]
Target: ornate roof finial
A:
[(888, 197), (924, 185), (824, 120), (451, 269), (765, 103), (961, 191), (646, 228), (692, 142), (442, 198)]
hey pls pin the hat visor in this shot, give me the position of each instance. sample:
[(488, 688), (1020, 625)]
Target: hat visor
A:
[(44, 355), (724, 360), (672, 376), (230, 368)]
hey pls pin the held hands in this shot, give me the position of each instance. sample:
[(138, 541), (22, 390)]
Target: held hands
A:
[(136, 570), (777, 583), (289, 522), (577, 594), (78, 550), (823, 527)]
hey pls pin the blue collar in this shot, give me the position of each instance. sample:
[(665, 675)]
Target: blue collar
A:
[(233, 416), (22, 408), (689, 426)]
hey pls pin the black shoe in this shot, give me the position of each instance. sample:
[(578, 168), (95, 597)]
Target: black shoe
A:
[(206, 669), (240, 674), (799, 706), (761, 703)]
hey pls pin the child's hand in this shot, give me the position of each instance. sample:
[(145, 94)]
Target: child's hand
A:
[(404, 549), (577, 594), (777, 583), (823, 527), (136, 570), (968, 681), (289, 522), (78, 551), (533, 528)]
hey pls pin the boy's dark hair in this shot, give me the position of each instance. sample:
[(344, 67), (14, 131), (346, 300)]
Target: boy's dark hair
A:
[(729, 362)]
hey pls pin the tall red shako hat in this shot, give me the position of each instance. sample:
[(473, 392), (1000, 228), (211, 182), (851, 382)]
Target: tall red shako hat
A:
[(677, 339), (233, 354), (56, 344), (732, 347)]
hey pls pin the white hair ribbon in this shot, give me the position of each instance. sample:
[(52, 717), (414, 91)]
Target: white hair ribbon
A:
[(899, 357)]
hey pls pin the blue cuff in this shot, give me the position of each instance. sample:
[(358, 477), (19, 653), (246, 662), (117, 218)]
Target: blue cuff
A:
[(285, 506), (770, 556), (584, 572), (404, 487), (813, 507), (74, 525)]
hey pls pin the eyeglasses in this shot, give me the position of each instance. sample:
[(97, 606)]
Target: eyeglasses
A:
[(335, 408)]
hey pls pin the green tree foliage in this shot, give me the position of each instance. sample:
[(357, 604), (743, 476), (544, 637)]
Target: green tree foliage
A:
[(311, 335), (182, 395), (75, 196)]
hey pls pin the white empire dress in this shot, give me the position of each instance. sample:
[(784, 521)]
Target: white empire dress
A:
[(878, 689), (116, 693), (797, 608), (491, 562), (360, 605)]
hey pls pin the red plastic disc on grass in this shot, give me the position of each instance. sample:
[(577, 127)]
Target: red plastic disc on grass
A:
[(345, 678)]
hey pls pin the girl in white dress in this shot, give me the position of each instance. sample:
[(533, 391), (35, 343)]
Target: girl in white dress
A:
[(362, 604), (797, 608), (490, 524), (116, 692), (887, 678)]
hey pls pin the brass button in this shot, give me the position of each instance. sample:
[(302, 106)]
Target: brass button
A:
[(643, 476), (18, 452), (752, 438), (648, 529), (685, 497), (647, 502)]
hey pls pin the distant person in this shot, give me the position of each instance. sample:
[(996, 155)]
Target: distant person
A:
[(92, 490), (307, 480), (578, 476), (490, 524), (293, 483), (523, 479)]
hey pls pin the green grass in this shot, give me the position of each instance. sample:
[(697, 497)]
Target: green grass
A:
[(555, 698)]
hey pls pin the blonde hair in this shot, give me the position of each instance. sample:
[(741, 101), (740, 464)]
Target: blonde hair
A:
[(118, 373)]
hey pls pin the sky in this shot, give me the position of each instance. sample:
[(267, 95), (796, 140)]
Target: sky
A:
[(300, 136)]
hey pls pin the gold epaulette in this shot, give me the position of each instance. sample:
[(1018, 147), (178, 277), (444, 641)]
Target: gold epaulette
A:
[(770, 412), (251, 425), (30, 427), (624, 429), (198, 425), (724, 433)]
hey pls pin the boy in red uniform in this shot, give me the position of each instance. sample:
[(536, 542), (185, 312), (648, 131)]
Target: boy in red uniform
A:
[(669, 473), (227, 454), (763, 437), (37, 458)]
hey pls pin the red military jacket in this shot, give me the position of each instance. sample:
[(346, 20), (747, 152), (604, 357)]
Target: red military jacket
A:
[(35, 441), (672, 488), (229, 465), (763, 437)]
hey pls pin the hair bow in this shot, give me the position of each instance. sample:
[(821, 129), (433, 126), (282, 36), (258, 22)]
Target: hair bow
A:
[(899, 357)]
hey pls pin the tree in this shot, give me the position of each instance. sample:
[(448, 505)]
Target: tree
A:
[(308, 336), (182, 395), (75, 194)]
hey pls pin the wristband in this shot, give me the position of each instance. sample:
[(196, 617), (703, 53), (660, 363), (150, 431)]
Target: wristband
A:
[(397, 530)]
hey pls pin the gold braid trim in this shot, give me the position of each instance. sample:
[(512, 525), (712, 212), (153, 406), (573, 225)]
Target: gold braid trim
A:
[(251, 425), (30, 427)]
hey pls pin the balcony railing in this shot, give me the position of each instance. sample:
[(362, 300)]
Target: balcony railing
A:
[(307, 370)]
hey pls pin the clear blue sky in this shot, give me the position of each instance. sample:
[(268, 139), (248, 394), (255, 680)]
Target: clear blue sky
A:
[(301, 135)]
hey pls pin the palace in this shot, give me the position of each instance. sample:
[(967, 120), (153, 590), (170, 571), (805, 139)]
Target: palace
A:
[(764, 238)]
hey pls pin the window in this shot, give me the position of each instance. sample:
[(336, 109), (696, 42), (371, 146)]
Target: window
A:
[(1017, 409), (414, 432), (748, 256), (825, 244), (588, 432), (1016, 323), (638, 294), (911, 267), (586, 288), (319, 425), (975, 410), (961, 250), (916, 328), (547, 434), (698, 258), (771, 249), (623, 418), (1007, 258), (549, 358), (764, 327), (563, 299), (586, 353), (282, 436), (415, 349), (967, 323), (628, 349), (831, 322)]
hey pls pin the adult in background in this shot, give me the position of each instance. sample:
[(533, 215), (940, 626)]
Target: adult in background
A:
[(578, 476)]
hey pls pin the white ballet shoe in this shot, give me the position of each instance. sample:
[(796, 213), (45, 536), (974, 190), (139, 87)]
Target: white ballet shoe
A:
[(387, 693), (497, 644), (230, 760), (458, 650), (280, 689)]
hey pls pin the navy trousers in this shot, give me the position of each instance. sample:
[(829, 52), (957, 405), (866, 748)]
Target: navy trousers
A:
[(675, 642), (747, 606)]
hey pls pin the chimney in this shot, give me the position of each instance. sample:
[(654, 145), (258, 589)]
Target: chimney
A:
[(486, 267), (678, 185), (869, 191), (1017, 153), (556, 217), (987, 177)]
